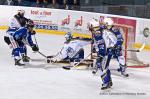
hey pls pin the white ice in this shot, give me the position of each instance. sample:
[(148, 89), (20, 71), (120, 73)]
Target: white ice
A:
[(36, 82)]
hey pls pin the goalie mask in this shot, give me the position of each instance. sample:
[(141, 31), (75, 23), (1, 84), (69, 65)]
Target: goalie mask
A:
[(68, 36)]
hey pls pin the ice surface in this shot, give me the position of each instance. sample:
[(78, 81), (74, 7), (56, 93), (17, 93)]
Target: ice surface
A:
[(36, 82)]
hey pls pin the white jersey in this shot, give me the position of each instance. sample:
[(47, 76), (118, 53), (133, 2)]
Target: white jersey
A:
[(71, 48), (13, 26), (109, 38), (14, 23)]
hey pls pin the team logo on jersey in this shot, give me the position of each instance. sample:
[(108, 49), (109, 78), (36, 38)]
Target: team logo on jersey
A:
[(66, 21), (146, 32)]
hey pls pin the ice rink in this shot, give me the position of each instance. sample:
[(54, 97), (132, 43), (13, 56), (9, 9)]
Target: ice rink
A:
[(34, 81)]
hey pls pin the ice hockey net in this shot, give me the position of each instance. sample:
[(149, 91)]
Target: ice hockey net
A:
[(131, 57)]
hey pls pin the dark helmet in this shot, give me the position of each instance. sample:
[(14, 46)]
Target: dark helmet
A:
[(21, 12), (30, 23)]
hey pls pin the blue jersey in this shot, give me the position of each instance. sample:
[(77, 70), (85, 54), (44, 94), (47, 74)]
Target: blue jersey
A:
[(11, 31), (24, 35), (100, 44)]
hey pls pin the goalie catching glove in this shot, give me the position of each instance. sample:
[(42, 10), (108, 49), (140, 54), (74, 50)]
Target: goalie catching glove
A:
[(35, 48)]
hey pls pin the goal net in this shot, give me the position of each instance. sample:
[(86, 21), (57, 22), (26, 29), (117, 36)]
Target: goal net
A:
[(131, 57), (129, 52)]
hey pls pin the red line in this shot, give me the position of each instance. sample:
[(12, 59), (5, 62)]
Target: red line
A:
[(139, 66)]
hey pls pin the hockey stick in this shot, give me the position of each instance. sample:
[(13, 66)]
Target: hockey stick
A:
[(138, 50), (41, 52), (36, 41), (52, 56), (69, 67)]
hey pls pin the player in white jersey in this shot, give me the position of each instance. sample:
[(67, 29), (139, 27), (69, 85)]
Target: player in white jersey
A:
[(72, 50), (117, 51)]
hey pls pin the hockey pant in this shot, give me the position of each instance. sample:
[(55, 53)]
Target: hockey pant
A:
[(120, 58), (77, 57), (19, 48)]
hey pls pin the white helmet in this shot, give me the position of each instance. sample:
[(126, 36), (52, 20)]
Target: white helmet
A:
[(108, 21), (21, 11), (94, 23)]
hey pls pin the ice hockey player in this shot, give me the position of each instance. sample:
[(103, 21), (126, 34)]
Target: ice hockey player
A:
[(16, 22), (72, 50), (22, 37), (105, 41), (117, 53)]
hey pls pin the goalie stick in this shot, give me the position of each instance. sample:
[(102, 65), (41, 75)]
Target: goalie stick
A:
[(69, 67)]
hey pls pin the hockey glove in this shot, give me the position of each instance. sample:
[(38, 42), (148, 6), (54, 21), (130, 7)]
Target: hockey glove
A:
[(7, 40), (35, 48), (33, 32)]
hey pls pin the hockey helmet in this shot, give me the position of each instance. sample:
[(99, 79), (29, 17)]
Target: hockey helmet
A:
[(30, 23), (93, 24), (21, 12), (108, 21), (68, 36)]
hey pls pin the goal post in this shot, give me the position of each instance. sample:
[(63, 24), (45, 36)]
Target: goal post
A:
[(129, 49)]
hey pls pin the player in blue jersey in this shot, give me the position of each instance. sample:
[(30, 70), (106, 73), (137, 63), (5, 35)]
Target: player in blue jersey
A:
[(105, 41), (22, 37), (16, 22)]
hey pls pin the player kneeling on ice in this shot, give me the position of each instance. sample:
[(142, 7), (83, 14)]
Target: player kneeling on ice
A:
[(22, 37), (72, 50)]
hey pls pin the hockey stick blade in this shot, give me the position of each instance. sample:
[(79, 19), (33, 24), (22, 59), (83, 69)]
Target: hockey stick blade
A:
[(139, 50), (142, 47), (67, 67), (75, 65)]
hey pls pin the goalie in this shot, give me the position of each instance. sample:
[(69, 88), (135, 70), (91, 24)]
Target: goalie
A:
[(72, 50)]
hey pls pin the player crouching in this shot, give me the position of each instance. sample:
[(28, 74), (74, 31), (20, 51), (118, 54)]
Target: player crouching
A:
[(22, 37)]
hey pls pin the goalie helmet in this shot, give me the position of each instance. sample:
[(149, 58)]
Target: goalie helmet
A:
[(68, 36)]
